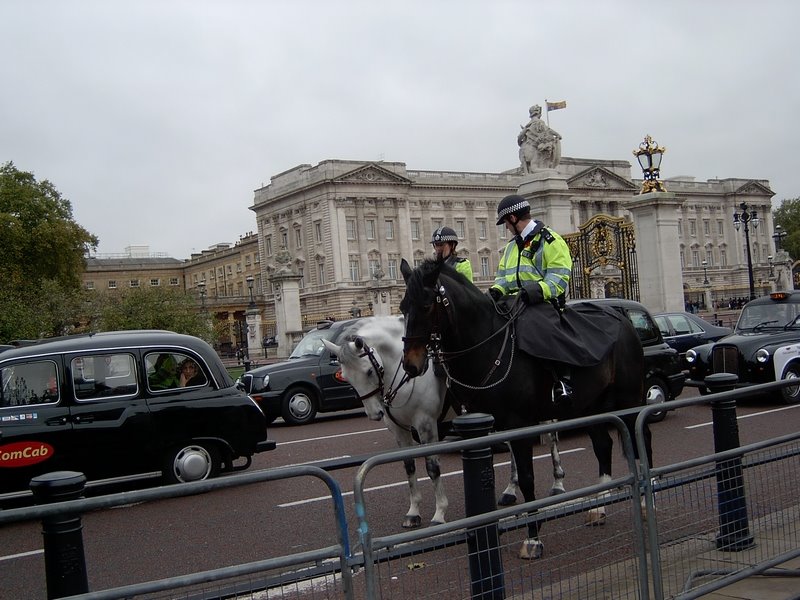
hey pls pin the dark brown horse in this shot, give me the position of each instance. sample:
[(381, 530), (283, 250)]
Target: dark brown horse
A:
[(445, 312)]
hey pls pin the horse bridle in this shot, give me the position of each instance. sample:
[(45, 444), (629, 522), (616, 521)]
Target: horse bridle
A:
[(433, 343), (386, 397)]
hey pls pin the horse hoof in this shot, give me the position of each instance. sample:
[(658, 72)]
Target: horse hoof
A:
[(594, 518), (435, 522), (557, 491), (412, 522), (531, 550), (507, 500)]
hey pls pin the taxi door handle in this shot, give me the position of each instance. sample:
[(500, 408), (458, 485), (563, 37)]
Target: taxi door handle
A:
[(84, 419), (57, 421)]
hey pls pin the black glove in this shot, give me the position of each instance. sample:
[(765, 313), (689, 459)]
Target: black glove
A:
[(531, 293), (495, 294)]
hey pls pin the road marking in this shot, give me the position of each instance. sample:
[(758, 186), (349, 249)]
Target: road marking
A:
[(399, 483), (21, 555), (329, 437), (755, 414)]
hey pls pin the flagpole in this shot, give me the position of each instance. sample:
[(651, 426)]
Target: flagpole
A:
[(546, 112)]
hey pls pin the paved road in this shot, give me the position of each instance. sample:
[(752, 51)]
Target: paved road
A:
[(170, 537)]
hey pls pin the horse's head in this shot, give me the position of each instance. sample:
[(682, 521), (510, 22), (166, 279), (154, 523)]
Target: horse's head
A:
[(362, 367), (421, 311)]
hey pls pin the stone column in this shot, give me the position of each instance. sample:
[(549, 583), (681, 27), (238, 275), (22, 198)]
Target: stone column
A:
[(655, 222), (253, 318), (288, 323), (550, 199)]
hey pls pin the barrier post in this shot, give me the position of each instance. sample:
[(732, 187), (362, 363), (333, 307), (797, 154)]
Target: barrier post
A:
[(483, 544), (734, 528), (64, 558)]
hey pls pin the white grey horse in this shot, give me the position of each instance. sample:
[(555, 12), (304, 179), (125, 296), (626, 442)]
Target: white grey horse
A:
[(371, 363)]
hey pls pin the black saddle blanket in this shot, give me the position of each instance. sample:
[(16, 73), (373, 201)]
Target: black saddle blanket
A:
[(581, 336)]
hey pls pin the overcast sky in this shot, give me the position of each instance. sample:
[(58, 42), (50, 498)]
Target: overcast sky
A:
[(158, 119)]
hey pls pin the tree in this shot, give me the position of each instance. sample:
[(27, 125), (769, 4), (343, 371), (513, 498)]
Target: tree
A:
[(788, 217), (150, 308), (42, 252)]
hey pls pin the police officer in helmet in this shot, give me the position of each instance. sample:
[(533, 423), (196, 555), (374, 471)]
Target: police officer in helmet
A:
[(444, 241), (536, 264)]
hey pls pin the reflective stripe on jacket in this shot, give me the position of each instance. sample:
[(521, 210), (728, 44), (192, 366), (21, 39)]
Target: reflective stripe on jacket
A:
[(548, 263)]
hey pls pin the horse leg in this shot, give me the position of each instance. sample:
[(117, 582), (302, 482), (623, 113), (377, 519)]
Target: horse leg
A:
[(428, 433), (558, 470), (602, 445), (532, 547), (404, 440), (509, 496)]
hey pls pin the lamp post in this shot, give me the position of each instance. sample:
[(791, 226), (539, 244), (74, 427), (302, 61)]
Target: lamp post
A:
[(746, 218), (649, 156), (250, 279), (705, 272), (778, 236), (770, 258), (202, 287)]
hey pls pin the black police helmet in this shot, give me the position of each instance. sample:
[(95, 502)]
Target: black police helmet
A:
[(444, 234), (512, 205)]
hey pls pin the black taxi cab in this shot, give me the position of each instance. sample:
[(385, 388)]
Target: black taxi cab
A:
[(764, 347), (120, 404)]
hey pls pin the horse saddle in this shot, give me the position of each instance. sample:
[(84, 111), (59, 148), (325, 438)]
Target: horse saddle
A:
[(580, 336)]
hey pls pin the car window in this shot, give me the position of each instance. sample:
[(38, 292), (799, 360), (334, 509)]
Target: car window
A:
[(661, 321), (311, 344), (644, 325), (29, 383), (173, 370), (682, 325), (104, 376)]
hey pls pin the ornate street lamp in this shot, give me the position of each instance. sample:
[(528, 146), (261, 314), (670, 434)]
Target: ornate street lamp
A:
[(250, 279), (778, 236), (747, 218), (770, 259), (705, 272), (649, 156)]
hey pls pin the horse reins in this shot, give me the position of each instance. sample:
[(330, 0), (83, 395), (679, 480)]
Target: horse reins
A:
[(507, 329)]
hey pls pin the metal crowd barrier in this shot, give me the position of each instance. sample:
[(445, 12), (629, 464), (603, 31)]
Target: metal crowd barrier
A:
[(677, 530)]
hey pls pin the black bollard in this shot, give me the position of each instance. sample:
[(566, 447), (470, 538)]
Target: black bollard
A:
[(247, 364), (64, 559), (734, 528), (483, 543)]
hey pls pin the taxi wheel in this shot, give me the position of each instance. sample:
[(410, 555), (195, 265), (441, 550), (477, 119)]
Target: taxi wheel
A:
[(191, 462), (655, 393), (791, 394), (299, 405)]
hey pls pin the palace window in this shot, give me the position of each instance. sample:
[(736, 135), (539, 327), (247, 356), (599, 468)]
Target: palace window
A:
[(155, 282), (370, 223), (482, 229), (351, 229), (389, 229), (318, 231), (415, 229), (485, 266), (391, 269), (355, 271)]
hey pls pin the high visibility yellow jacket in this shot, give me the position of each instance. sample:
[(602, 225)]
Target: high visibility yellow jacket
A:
[(542, 257), (462, 265)]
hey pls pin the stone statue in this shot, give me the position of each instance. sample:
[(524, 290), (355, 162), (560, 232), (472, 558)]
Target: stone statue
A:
[(539, 146), (284, 258)]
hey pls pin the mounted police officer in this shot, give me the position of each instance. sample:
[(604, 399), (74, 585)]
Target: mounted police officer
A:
[(536, 264), (444, 241)]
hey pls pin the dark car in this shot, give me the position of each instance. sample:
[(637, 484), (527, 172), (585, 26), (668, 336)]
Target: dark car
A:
[(684, 330), (664, 377), (764, 347), (309, 382), (120, 404)]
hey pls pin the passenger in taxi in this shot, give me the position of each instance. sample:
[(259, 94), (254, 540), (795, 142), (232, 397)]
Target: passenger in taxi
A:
[(165, 376), (190, 373)]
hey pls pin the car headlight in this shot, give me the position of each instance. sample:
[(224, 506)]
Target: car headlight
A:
[(762, 355), (691, 356)]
